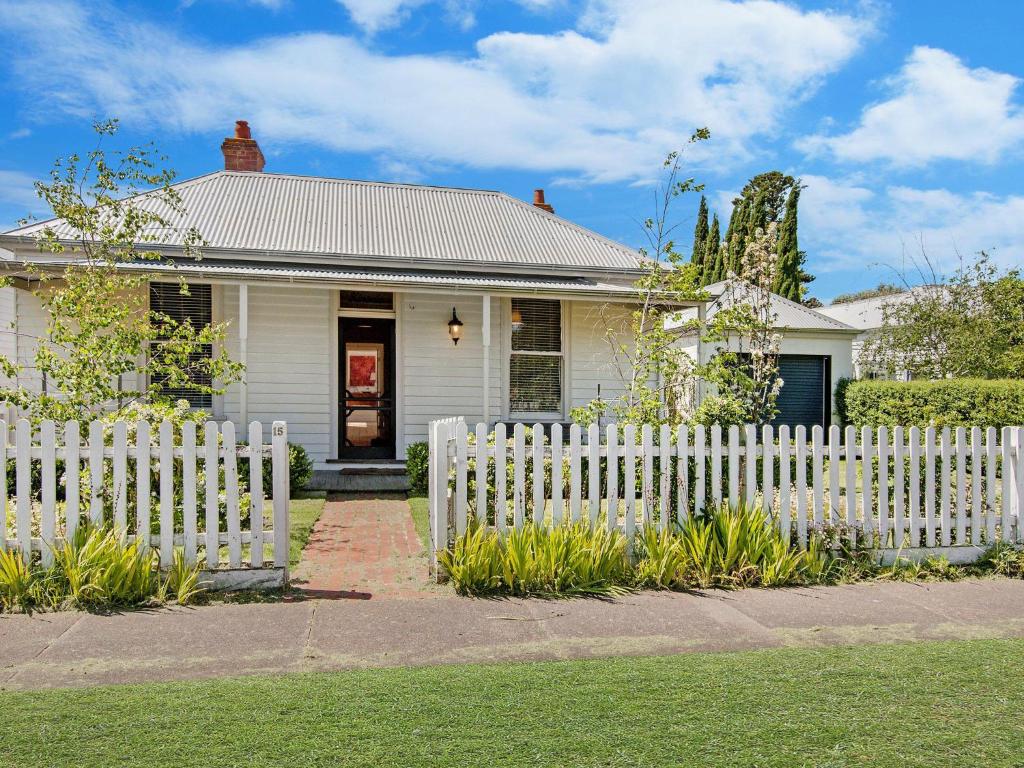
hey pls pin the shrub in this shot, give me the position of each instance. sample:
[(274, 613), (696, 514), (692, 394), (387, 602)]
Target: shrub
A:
[(300, 469), (945, 403), (417, 462)]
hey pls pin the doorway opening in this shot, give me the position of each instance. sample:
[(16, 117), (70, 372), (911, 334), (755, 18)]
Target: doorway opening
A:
[(367, 376)]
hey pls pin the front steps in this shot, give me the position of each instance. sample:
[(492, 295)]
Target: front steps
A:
[(387, 477)]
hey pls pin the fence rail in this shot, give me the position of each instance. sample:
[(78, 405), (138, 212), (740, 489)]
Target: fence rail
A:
[(61, 482), (899, 489)]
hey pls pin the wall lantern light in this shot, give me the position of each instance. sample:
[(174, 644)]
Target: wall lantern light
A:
[(517, 320), (455, 328)]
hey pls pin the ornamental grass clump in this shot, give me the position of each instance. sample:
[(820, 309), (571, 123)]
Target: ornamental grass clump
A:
[(568, 559), (98, 569)]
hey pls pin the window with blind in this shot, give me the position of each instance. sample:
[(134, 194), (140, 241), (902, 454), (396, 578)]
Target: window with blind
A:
[(535, 363), (195, 308)]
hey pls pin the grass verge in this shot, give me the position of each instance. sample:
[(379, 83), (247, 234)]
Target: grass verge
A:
[(925, 704), (306, 509), (418, 507)]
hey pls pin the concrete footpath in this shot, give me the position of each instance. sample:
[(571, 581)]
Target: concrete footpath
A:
[(75, 649)]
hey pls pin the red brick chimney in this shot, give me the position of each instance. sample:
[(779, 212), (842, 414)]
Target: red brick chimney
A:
[(241, 152), (538, 201)]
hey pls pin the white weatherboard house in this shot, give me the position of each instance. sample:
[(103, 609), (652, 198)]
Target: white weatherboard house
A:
[(346, 299)]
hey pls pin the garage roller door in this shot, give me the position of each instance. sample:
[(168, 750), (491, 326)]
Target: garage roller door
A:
[(805, 397)]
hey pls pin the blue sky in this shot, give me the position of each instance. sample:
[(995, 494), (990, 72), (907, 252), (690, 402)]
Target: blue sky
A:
[(903, 119)]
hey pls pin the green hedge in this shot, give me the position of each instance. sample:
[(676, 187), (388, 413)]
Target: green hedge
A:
[(417, 459), (944, 403)]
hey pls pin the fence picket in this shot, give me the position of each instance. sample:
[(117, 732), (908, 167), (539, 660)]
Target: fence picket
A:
[(188, 493), (785, 513), (1005, 532), (915, 487), (734, 465), (699, 459), (817, 462), (767, 469), (883, 487), (629, 480), (716, 464), (48, 492), (866, 464), (282, 493), (750, 462), (834, 450), (231, 495), (23, 488), (211, 468), (929, 486), (665, 478), (255, 492), (647, 481), (120, 476), (557, 513), (990, 485), (850, 446), (961, 485), (96, 473), (537, 446), (682, 474), (612, 439), (143, 460), (594, 472), (575, 472), (461, 477), (518, 476), (801, 484), (1018, 472), (947, 460), (500, 475), (977, 470), (899, 520), (481, 462), (166, 493)]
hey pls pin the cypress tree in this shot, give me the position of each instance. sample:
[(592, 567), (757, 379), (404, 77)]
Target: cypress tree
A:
[(700, 235), (712, 254), (788, 273), (735, 235)]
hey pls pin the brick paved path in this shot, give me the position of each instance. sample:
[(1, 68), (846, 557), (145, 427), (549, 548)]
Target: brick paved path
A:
[(364, 546)]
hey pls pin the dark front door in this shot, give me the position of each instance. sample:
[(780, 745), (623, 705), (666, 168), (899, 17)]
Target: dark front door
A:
[(367, 376)]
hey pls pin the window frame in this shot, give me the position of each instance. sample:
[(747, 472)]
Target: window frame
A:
[(562, 355)]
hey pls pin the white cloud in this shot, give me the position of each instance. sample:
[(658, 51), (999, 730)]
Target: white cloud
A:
[(846, 226), (940, 109), (375, 15), (603, 102), (20, 133)]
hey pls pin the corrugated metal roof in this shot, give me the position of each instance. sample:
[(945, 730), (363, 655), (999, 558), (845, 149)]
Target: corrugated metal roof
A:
[(358, 219), (213, 269), (867, 314), (788, 314)]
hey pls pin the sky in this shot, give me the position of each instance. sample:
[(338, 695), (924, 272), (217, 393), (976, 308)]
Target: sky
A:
[(904, 120)]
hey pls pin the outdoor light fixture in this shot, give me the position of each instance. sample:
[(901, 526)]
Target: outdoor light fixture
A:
[(517, 320), (455, 328)]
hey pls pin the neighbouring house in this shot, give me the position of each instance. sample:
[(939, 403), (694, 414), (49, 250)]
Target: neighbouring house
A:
[(364, 310), (815, 352), (867, 316)]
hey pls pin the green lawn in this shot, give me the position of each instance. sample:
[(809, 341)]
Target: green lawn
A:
[(305, 510), (927, 704), (418, 505)]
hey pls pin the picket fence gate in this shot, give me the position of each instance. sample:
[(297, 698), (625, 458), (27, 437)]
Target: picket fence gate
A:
[(98, 492), (902, 491)]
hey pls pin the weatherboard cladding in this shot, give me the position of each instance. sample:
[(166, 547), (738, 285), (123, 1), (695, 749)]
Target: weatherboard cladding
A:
[(311, 215)]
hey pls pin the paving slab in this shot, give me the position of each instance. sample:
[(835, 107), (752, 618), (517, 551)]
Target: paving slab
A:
[(48, 650)]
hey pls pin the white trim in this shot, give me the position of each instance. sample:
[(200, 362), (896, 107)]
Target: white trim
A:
[(243, 352), (367, 314), (399, 393), (333, 375), (561, 415), (486, 338)]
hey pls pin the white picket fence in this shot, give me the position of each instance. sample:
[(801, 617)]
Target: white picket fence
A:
[(906, 491), (101, 474)]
